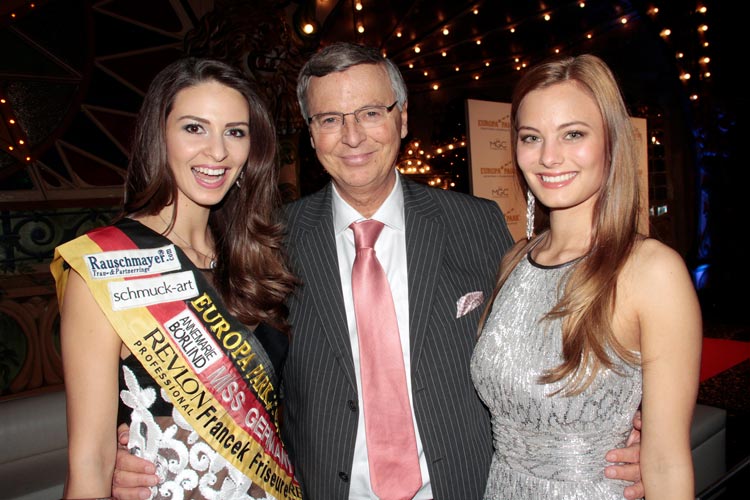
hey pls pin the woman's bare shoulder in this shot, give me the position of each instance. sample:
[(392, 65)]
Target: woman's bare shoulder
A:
[(655, 269)]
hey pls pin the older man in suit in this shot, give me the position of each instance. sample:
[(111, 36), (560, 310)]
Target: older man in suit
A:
[(437, 248)]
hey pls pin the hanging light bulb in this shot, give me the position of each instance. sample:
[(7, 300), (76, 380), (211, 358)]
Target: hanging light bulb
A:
[(304, 20)]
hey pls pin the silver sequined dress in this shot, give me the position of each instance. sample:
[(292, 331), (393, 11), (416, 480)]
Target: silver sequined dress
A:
[(546, 447)]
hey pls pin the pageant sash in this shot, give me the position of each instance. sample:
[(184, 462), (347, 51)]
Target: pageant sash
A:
[(216, 373)]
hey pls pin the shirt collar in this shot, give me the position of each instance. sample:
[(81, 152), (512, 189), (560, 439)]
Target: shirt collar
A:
[(390, 213)]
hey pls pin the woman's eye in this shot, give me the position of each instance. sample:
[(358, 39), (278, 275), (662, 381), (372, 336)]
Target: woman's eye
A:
[(529, 138), (236, 132), (575, 134), (192, 128)]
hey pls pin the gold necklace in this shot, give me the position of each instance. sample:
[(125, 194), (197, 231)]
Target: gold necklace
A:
[(211, 260)]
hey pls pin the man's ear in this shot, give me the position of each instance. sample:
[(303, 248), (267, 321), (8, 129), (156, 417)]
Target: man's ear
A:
[(404, 120), (312, 141)]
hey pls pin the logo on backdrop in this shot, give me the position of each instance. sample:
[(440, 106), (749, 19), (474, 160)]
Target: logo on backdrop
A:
[(501, 123), (498, 145), (500, 192), (504, 170), (513, 217)]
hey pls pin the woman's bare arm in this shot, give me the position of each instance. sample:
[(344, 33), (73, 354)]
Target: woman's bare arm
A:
[(671, 339), (90, 351)]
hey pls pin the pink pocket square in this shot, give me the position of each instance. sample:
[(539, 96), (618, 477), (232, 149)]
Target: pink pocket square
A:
[(468, 303)]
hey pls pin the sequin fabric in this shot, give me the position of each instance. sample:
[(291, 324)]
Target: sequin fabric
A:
[(546, 447)]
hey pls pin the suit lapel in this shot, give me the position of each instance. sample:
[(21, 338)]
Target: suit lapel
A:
[(319, 262), (425, 235)]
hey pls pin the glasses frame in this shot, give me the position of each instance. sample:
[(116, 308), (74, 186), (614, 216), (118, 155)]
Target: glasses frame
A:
[(343, 116)]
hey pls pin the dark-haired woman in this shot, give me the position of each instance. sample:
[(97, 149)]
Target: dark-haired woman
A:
[(173, 318)]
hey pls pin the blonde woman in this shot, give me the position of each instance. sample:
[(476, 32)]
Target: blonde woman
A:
[(590, 318)]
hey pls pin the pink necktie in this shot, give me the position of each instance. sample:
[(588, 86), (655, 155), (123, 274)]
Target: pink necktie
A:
[(389, 429)]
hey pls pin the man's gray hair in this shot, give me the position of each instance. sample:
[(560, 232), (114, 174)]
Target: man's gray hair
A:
[(341, 56)]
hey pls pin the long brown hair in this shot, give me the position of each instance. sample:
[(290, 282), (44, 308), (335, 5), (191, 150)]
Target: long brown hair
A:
[(588, 300), (251, 273)]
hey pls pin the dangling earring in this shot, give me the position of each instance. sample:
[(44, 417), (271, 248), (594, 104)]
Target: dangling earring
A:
[(530, 203), (239, 179)]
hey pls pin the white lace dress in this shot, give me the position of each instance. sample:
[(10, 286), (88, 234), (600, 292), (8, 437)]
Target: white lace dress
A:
[(187, 466)]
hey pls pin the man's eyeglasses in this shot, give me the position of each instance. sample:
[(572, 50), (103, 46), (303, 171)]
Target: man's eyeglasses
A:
[(368, 117)]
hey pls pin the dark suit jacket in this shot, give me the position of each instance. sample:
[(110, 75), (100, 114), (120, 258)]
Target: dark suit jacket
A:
[(453, 244)]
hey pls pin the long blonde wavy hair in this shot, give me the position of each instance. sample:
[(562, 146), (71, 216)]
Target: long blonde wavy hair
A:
[(588, 300)]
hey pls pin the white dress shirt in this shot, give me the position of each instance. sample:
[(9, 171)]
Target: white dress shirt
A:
[(390, 249)]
